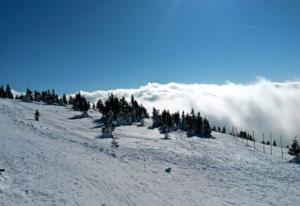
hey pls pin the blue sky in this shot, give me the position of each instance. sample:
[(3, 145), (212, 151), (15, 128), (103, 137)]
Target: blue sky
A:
[(70, 45)]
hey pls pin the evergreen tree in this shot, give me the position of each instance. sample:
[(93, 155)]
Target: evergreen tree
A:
[(155, 118), (183, 121), (80, 103), (214, 129), (100, 106), (206, 128), (2, 92), (199, 125), (28, 96), (224, 130), (64, 99), (71, 100), (294, 148), (37, 96), (37, 115), (8, 92), (177, 121)]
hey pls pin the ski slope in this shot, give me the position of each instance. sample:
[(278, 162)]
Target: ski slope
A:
[(62, 161)]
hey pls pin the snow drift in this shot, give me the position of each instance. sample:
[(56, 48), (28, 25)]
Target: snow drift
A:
[(263, 106)]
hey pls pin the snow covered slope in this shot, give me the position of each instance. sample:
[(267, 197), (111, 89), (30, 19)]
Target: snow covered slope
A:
[(61, 161)]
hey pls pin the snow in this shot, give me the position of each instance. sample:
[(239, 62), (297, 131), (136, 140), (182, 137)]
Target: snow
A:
[(62, 161), (263, 105)]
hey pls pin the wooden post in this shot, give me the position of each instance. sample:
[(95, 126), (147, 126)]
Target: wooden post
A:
[(264, 142), (247, 140), (271, 143), (242, 137), (253, 140), (281, 146)]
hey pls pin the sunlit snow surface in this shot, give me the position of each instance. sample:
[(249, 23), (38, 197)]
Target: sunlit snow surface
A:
[(59, 161)]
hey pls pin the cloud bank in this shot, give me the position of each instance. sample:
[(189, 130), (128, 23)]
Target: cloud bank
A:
[(262, 106)]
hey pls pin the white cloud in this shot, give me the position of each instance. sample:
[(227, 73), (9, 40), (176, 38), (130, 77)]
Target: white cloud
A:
[(262, 106)]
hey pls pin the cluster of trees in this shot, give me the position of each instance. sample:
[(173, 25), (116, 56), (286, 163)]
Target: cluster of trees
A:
[(245, 135), (6, 93), (268, 143), (48, 97), (79, 103), (120, 111), (192, 123), (218, 129)]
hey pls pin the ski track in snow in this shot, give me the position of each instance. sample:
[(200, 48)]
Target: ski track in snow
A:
[(59, 161)]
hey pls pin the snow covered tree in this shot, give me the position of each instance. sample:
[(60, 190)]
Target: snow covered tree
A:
[(294, 148), (124, 113)]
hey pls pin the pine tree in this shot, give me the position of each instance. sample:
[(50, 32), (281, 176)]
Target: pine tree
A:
[(294, 148), (8, 92), (28, 96), (177, 121), (183, 122), (2, 92), (100, 106), (37, 115), (155, 117), (214, 129), (206, 128), (64, 99), (37, 96), (199, 123), (224, 130)]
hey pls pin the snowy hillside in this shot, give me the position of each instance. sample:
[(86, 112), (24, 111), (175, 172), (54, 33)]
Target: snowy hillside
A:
[(61, 161), (263, 106)]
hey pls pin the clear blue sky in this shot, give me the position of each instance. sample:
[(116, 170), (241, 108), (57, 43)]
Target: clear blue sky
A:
[(70, 45)]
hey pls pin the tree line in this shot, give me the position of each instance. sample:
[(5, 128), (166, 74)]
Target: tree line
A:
[(120, 111), (6, 93), (47, 96), (193, 124)]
